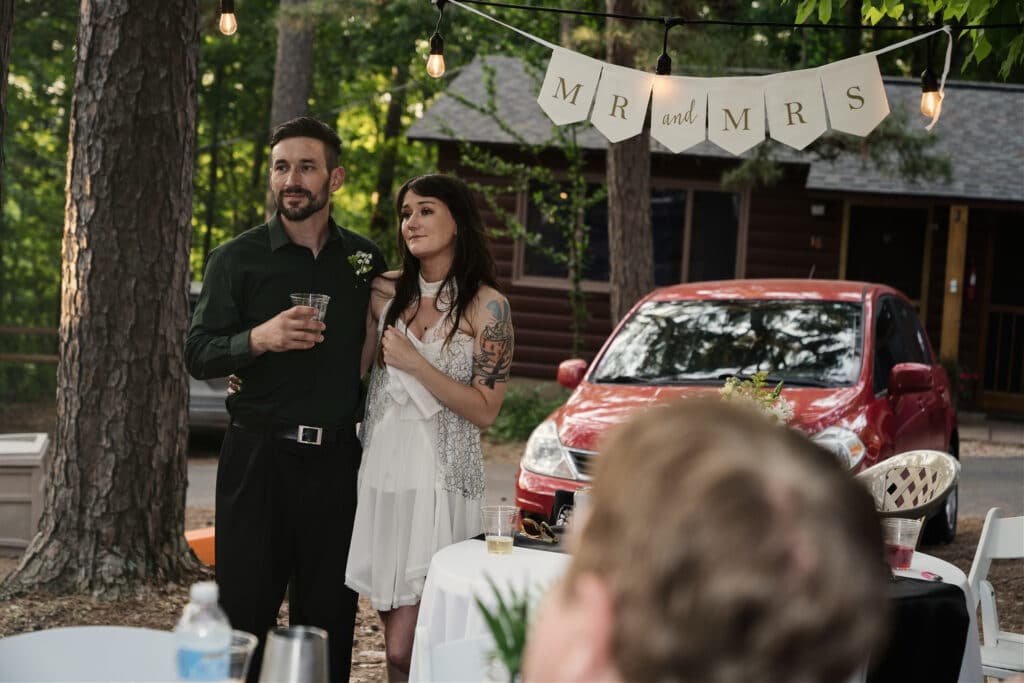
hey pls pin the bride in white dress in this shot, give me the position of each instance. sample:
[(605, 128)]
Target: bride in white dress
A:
[(439, 376)]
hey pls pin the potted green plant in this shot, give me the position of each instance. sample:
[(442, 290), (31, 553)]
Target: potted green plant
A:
[(507, 622)]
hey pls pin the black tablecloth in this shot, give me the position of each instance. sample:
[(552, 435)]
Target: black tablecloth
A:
[(928, 634)]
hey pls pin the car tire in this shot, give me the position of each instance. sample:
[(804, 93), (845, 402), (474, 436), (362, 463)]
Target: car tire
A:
[(941, 528)]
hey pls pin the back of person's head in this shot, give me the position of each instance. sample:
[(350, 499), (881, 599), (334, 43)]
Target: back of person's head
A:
[(733, 550), (310, 127)]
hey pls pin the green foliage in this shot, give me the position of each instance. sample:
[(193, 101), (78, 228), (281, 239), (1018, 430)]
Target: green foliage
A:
[(507, 623), (521, 412), (35, 143), (1006, 45)]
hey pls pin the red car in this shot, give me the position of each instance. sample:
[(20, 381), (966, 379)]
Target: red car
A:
[(855, 360)]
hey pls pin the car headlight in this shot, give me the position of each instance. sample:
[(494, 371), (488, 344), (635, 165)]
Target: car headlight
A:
[(845, 444), (545, 454)]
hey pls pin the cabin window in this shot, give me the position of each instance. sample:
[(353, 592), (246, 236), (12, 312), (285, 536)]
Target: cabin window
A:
[(713, 220)]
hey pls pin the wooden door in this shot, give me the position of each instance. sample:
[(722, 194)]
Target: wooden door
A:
[(1002, 343)]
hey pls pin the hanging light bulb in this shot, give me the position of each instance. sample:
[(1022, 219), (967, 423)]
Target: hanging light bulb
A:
[(664, 67), (435, 62), (931, 98), (227, 24)]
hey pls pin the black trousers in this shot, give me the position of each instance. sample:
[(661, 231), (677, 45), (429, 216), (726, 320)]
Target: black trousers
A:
[(284, 516)]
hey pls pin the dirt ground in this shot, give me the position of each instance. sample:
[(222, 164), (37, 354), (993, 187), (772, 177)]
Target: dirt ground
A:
[(159, 607)]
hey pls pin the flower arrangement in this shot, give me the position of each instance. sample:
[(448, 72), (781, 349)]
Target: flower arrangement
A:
[(361, 262), (756, 392)]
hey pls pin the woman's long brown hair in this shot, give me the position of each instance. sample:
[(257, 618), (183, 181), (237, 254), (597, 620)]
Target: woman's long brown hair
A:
[(472, 265)]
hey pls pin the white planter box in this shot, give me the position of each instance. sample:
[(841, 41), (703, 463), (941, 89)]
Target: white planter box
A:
[(21, 489)]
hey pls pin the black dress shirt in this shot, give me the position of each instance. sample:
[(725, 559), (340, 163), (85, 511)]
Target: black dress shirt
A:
[(247, 282)]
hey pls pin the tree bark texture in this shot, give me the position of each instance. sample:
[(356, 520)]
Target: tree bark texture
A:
[(628, 173), (113, 520), (6, 35), (293, 69)]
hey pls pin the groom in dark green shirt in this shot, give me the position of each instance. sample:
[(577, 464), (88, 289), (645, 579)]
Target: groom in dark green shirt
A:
[(286, 481)]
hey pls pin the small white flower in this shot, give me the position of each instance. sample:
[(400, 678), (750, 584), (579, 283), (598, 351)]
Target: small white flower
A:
[(361, 262)]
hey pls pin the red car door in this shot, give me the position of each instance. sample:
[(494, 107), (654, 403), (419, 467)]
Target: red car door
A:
[(908, 426)]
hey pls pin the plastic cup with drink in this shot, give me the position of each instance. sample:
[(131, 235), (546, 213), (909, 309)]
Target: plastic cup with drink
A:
[(317, 301), (501, 522), (900, 536)]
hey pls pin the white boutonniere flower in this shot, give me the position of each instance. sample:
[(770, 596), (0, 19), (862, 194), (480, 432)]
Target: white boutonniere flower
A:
[(361, 262)]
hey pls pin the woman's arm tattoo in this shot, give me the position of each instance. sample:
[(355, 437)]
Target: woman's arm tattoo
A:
[(492, 363)]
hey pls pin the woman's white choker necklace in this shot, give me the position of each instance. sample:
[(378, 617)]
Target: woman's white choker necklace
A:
[(429, 289)]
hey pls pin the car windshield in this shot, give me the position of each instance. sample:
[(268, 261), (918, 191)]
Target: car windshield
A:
[(805, 343)]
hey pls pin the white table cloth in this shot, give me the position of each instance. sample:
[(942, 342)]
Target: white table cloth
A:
[(970, 666), (89, 653), (459, 573)]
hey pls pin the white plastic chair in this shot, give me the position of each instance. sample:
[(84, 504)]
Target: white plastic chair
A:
[(88, 653), (1002, 538)]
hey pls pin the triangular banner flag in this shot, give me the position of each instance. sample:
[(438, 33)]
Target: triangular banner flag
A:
[(795, 107), (736, 113), (621, 102), (854, 94), (569, 86), (679, 111)]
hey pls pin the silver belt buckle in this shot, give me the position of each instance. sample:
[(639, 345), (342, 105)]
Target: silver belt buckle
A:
[(311, 436)]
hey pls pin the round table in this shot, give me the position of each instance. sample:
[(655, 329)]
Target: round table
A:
[(460, 573), (89, 653), (970, 664)]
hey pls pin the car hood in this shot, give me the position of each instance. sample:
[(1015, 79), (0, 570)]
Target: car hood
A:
[(593, 408)]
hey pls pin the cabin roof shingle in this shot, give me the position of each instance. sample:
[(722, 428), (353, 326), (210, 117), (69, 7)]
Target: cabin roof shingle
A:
[(981, 131)]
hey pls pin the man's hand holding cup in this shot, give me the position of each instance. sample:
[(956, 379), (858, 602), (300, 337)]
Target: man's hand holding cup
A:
[(300, 327)]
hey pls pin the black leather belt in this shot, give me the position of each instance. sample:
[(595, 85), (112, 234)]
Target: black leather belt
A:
[(309, 435)]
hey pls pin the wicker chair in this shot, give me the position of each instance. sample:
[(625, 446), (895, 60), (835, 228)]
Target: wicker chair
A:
[(911, 484)]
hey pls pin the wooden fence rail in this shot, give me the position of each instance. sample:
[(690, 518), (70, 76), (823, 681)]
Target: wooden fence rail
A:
[(28, 357)]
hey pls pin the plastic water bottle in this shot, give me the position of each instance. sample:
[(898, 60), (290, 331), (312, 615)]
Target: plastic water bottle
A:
[(203, 636)]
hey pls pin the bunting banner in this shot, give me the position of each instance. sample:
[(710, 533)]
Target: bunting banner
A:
[(735, 113), (678, 110)]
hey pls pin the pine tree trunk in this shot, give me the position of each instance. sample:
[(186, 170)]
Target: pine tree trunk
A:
[(113, 519), (293, 68), (628, 172), (6, 35)]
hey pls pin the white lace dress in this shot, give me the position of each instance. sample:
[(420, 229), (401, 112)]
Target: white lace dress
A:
[(421, 481)]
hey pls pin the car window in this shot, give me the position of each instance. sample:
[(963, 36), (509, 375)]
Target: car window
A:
[(815, 343), (918, 350), (885, 347), (898, 339)]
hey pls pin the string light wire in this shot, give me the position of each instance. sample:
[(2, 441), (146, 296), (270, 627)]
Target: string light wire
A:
[(728, 22)]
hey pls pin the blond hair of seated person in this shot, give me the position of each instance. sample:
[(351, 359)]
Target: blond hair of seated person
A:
[(719, 548)]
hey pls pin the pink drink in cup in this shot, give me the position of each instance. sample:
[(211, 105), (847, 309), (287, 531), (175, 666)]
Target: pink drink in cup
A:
[(900, 537)]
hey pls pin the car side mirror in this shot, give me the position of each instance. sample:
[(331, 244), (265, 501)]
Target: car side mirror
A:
[(570, 372), (909, 378)]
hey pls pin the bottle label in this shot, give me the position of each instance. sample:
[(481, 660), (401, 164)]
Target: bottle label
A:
[(202, 665)]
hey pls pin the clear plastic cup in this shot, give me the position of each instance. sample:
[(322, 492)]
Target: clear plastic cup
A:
[(317, 301), (900, 536), (242, 646), (501, 522)]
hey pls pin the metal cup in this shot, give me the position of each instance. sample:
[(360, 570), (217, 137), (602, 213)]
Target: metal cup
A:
[(296, 654)]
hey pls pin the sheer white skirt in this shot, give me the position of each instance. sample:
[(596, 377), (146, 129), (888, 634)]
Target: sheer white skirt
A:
[(402, 517)]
